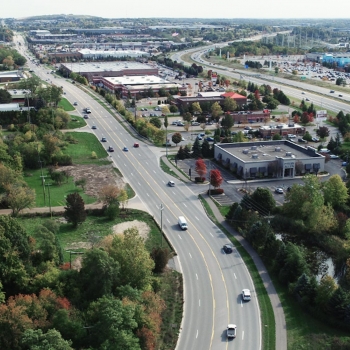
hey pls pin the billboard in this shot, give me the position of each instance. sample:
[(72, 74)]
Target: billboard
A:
[(321, 114)]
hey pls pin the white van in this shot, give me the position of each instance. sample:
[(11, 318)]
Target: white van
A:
[(324, 150), (182, 223)]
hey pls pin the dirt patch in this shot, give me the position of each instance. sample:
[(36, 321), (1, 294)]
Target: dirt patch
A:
[(96, 177), (141, 226)]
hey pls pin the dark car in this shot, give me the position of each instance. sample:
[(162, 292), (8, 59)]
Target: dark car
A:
[(110, 149), (103, 139), (94, 127), (86, 116), (302, 140), (210, 138), (227, 248)]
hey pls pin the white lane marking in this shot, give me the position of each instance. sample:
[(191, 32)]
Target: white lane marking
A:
[(180, 237), (190, 255), (197, 334), (168, 221), (124, 164), (139, 155), (173, 192), (154, 171), (196, 218), (146, 163), (211, 234), (126, 139), (118, 156), (132, 174), (185, 205), (242, 335), (235, 275), (139, 184), (147, 194), (199, 303), (197, 276)]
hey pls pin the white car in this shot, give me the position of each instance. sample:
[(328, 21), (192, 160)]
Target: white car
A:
[(246, 294), (279, 190), (231, 331), (171, 183)]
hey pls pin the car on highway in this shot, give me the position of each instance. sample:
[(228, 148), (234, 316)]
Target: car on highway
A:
[(75, 103), (171, 183), (340, 95), (110, 149), (103, 139), (125, 149), (231, 331), (86, 116), (246, 294), (136, 145), (279, 190), (94, 127), (331, 92), (227, 248)]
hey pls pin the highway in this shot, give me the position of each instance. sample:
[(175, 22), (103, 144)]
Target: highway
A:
[(213, 281)]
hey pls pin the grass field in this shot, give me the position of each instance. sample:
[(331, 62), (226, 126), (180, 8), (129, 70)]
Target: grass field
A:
[(76, 122), (81, 152), (66, 105)]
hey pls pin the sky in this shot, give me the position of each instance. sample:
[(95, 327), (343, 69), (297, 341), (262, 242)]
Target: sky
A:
[(180, 8)]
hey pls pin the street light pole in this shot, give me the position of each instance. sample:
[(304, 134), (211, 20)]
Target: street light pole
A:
[(48, 186), (161, 223)]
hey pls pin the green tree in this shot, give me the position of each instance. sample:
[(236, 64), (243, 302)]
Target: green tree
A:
[(176, 138), (5, 96), (19, 196), (112, 325), (156, 122), (325, 290), (335, 192), (196, 149), (230, 104), (173, 109), (165, 110), (75, 209), (227, 121), (216, 110), (263, 200), (37, 340), (135, 262), (196, 108), (98, 275)]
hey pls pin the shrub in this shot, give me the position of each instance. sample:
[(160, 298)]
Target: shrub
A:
[(199, 179)]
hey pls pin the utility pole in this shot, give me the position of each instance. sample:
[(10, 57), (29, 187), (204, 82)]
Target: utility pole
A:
[(161, 223), (48, 186), (42, 179)]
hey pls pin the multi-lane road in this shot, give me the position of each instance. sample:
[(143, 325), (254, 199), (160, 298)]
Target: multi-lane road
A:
[(213, 281)]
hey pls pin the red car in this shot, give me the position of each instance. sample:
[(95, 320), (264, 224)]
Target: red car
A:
[(136, 145)]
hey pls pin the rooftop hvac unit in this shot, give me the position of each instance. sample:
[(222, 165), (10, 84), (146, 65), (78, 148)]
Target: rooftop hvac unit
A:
[(277, 149), (254, 147), (255, 156), (288, 154), (246, 151)]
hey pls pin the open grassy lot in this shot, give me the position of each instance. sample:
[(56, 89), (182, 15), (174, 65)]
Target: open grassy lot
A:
[(66, 105), (81, 151), (57, 193), (76, 122), (99, 226)]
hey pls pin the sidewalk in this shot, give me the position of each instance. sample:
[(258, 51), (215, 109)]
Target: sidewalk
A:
[(280, 322)]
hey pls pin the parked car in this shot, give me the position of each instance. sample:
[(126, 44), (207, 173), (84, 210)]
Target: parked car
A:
[(180, 124), (333, 156), (301, 140), (315, 139), (279, 190), (210, 138), (227, 248)]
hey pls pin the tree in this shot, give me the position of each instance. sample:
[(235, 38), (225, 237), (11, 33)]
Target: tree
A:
[(196, 149), (5, 96), (262, 198), (37, 340), (335, 192), (173, 109), (325, 290), (227, 121), (201, 168), (19, 196), (216, 110), (322, 132), (81, 182), (215, 178), (136, 265), (207, 150), (229, 104), (165, 110), (176, 138), (160, 257), (196, 108), (109, 194), (98, 275), (123, 198), (75, 209), (156, 122), (112, 325), (166, 123)]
